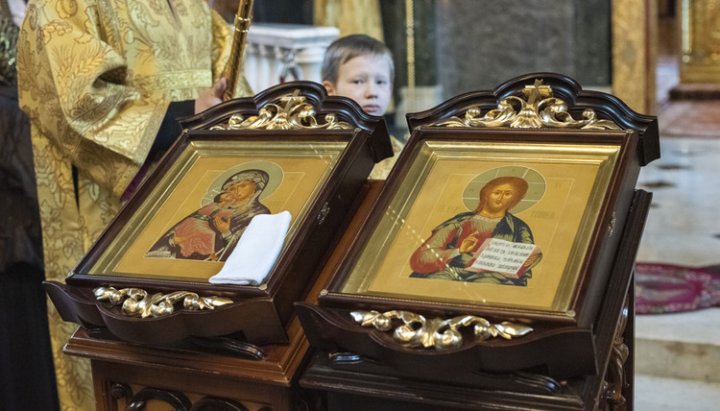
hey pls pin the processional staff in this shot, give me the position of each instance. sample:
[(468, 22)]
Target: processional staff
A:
[(234, 67)]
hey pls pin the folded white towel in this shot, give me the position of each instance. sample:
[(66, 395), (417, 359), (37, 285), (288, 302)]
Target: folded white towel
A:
[(256, 251)]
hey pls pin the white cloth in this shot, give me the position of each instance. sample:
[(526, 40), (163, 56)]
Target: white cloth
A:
[(256, 252)]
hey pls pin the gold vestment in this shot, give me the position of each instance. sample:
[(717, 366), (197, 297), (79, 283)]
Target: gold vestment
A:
[(96, 78)]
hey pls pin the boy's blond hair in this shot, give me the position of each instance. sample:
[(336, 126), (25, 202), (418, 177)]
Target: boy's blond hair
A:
[(346, 48)]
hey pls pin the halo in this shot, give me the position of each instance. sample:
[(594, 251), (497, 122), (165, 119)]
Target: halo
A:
[(535, 180), (274, 171)]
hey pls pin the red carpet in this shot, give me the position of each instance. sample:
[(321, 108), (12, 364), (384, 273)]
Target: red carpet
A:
[(666, 288), (687, 118)]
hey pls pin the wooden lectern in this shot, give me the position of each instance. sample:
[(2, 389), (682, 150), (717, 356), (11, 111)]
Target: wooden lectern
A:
[(153, 326), (494, 270)]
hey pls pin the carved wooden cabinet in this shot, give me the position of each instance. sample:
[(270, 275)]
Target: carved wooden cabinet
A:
[(134, 377)]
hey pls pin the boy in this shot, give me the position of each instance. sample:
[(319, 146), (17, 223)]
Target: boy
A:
[(361, 68)]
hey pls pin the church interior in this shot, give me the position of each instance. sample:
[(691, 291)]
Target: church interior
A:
[(660, 57)]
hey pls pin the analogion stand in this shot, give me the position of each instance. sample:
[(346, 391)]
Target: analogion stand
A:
[(387, 339), (350, 382), (186, 377), (169, 337)]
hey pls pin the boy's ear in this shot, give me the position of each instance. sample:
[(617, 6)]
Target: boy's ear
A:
[(329, 87)]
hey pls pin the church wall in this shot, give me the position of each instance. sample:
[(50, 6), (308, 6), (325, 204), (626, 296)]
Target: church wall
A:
[(481, 43)]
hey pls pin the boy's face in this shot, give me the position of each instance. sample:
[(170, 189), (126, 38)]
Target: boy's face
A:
[(365, 79)]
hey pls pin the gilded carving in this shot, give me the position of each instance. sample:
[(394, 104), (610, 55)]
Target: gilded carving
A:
[(136, 302), (538, 109), (616, 379), (417, 331), (289, 112)]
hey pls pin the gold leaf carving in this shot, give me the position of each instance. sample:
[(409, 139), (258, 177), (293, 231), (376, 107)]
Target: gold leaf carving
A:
[(289, 112), (136, 302), (538, 109), (415, 330)]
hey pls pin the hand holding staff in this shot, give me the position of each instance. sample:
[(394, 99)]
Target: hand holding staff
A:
[(234, 67)]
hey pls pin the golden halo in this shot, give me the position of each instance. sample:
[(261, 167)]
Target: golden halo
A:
[(274, 171), (535, 180)]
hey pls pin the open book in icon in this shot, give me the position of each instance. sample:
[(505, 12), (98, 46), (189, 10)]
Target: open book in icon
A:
[(507, 258)]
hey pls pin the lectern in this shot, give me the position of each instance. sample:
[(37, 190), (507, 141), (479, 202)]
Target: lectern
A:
[(154, 326), (494, 269)]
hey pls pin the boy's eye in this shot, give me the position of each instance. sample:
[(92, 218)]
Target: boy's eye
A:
[(357, 81)]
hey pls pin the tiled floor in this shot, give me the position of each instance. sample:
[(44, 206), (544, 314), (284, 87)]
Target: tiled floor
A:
[(690, 118), (683, 225), (666, 394), (678, 355)]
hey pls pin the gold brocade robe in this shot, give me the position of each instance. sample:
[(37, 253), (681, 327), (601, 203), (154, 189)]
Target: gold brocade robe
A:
[(96, 78), (383, 168)]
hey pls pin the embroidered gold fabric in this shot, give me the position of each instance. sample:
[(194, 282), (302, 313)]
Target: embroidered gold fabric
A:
[(95, 78), (382, 169)]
